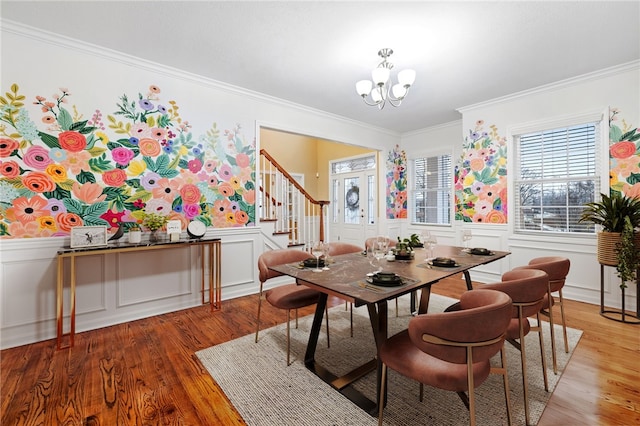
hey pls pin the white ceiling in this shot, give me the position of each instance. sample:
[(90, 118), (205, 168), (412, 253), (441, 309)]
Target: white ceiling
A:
[(312, 53)]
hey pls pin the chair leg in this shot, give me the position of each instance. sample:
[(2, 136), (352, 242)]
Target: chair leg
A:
[(289, 335), (523, 359), (383, 381), (502, 370), (542, 355), (553, 334), (259, 307), (326, 312), (351, 317), (564, 322)]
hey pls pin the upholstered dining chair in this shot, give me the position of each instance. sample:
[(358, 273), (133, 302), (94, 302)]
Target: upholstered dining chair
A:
[(335, 249), (557, 267), (286, 296), (452, 350), (527, 289)]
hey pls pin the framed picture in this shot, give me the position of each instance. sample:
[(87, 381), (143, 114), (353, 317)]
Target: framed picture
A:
[(88, 236)]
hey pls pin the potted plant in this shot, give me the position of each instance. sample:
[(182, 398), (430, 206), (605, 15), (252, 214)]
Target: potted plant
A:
[(618, 242), (403, 249), (154, 221), (135, 235)]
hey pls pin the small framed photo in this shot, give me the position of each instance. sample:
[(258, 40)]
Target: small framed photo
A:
[(88, 236)]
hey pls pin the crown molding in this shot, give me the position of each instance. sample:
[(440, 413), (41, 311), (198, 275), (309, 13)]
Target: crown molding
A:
[(176, 73), (595, 75)]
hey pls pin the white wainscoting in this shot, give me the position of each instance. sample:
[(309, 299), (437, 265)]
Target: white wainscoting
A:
[(113, 287)]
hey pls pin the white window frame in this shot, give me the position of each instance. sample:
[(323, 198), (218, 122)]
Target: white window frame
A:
[(601, 161), (412, 190)]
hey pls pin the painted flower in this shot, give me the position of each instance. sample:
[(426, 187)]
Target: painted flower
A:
[(38, 182), (37, 157), (76, 162), (88, 193), (241, 217), (136, 168), (495, 216), (149, 147), (57, 172), (47, 222), (27, 210), (72, 141), (150, 181), (140, 131), (194, 165), (166, 189), (249, 196), (226, 189), (114, 177), (243, 160), (224, 172), (66, 221), (122, 155), (624, 149), (7, 147), (190, 194), (158, 206), (9, 169), (55, 206), (113, 218), (191, 210)]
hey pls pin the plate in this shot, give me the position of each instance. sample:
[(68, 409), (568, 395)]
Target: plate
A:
[(481, 251), (385, 280), (312, 262), (444, 262)]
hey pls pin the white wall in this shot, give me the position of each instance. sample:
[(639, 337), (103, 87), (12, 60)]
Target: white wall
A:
[(110, 288)]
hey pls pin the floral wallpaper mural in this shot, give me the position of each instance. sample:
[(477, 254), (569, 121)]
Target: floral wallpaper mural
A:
[(481, 177), (624, 156), (71, 170), (397, 184)]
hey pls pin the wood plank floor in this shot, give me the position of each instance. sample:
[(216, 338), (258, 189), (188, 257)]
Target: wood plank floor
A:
[(145, 372)]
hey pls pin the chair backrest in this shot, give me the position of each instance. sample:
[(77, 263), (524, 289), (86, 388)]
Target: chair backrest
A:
[(368, 243), (481, 323), (526, 287), (556, 267), (337, 248), (278, 257)]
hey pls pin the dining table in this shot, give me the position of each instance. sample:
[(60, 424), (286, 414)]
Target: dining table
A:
[(349, 277)]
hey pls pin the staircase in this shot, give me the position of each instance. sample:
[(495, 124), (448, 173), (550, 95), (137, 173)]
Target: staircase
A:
[(297, 218)]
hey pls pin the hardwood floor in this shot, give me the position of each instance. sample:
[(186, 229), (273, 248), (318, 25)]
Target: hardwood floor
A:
[(145, 372)]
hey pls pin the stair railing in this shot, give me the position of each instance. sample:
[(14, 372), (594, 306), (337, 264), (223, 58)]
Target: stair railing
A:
[(285, 202)]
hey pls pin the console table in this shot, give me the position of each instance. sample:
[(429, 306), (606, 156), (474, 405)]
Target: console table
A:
[(210, 250)]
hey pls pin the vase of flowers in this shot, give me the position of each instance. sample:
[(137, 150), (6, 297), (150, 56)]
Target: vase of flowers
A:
[(153, 222)]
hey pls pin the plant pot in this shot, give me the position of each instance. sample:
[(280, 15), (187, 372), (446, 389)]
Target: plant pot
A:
[(607, 247), (135, 237)]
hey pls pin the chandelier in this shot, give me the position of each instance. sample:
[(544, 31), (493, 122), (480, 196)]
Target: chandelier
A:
[(380, 90)]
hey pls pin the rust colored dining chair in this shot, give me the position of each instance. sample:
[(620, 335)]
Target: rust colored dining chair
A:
[(527, 289), (452, 350), (336, 249), (557, 268), (290, 296)]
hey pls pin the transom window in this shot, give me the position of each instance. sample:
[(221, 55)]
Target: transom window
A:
[(556, 175), (431, 190)]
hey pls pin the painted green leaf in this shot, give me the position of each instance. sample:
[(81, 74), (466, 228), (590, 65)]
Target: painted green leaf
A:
[(78, 126), (100, 164), (84, 177), (615, 133), (96, 209), (168, 173), (633, 178), (64, 119), (73, 206), (628, 135), (50, 141), (59, 193)]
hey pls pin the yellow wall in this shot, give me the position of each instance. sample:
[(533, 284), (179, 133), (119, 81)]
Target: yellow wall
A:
[(308, 156)]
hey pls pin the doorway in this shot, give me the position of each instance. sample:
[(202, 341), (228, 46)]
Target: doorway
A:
[(354, 199)]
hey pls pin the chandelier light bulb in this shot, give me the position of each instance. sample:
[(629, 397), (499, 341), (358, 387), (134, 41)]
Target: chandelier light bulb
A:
[(381, 90)]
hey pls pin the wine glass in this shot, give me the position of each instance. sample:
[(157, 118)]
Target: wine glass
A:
[(326, 251), (317, 250), (466, 237), (379, 252), (431, 242)]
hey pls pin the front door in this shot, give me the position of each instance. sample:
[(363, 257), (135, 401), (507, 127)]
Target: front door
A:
[(354, 203)]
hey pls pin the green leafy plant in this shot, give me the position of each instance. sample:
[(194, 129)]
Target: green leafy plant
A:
[(610, 212), (628, 254), (154, 221)]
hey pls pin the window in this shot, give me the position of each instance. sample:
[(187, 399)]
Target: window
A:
[(556, 175), (431, 190)]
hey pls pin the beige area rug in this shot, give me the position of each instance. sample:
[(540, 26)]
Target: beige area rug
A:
[(266, 392)]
